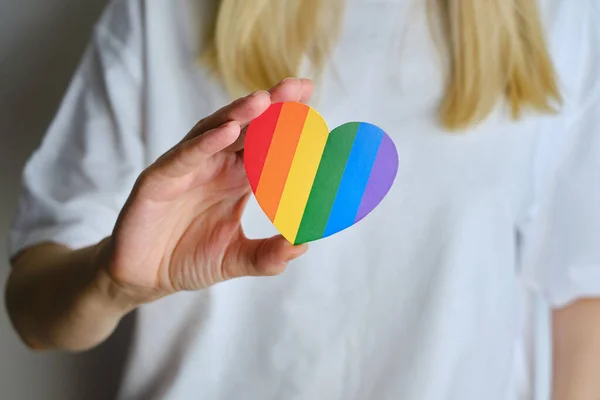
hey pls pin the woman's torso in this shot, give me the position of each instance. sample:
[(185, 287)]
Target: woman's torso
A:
[(421, 300)]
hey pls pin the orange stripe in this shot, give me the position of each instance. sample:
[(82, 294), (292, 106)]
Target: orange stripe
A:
[(280, 156)]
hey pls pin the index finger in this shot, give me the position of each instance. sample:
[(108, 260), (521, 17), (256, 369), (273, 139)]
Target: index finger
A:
[(242, 111), (291, 89)]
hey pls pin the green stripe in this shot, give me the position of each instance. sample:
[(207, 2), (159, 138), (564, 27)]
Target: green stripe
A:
[(326, 183)]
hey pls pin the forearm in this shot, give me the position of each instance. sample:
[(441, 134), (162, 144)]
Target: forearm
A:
[(61, 299), (576, 345)]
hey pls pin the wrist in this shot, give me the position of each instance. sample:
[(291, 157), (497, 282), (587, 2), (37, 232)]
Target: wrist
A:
[(119, 297)]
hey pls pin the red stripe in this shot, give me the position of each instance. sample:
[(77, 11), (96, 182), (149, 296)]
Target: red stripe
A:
[(258, 140)]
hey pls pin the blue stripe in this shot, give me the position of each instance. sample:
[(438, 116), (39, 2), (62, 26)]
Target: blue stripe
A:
[(355, 178)]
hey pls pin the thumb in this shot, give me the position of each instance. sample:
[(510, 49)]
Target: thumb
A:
[(262, 257)]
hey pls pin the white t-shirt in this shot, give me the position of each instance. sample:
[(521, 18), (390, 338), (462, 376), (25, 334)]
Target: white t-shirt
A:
[(422, 300)]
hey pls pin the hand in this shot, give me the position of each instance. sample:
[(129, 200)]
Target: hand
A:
[(180, 228)]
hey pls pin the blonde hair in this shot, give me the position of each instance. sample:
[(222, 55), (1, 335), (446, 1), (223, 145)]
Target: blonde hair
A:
[(496, 49)]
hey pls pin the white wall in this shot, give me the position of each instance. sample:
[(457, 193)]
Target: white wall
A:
[(40, 44)]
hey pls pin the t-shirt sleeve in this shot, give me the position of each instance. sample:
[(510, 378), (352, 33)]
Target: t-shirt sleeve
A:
[(75, 183), (562, 252)]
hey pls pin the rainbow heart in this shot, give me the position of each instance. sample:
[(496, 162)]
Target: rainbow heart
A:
[(310, 182)]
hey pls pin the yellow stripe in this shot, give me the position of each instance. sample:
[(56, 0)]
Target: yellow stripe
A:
[(301, 176)]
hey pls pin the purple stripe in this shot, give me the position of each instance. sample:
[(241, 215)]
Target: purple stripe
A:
[(382, 176)]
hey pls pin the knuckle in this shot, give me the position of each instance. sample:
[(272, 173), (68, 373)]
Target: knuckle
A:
[(143, 182), (147, 180), (144, 177)]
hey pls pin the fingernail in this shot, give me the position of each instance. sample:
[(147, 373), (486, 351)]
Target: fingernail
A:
[(233, 123), (294, 256), (291, 258), (290, 79), (258, 92)]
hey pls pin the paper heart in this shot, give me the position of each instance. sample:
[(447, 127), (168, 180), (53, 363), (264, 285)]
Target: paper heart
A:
[(312, 183)]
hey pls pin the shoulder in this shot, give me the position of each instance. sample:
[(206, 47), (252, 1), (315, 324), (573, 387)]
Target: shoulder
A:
[(565, 13), (121, 21), (134, 26), (117, 37), (573, 35)]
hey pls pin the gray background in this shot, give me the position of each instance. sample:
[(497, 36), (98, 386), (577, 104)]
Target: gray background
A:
[(41, 42)]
